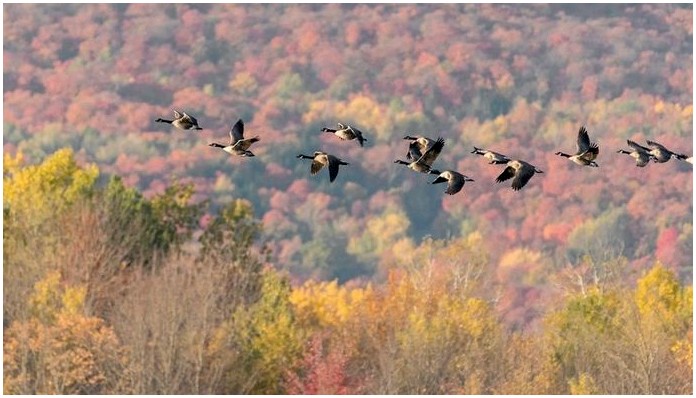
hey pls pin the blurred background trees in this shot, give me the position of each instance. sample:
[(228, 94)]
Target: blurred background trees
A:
[(138, 260)]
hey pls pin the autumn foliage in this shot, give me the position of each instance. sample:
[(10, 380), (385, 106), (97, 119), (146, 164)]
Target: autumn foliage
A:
[(138, 260)]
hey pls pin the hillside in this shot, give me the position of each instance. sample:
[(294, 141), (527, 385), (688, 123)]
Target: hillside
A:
[(516, 79)]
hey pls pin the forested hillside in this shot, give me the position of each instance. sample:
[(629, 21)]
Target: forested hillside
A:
[(137, 259)]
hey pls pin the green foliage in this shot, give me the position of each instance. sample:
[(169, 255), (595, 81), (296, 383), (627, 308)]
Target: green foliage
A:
[(602, 238)]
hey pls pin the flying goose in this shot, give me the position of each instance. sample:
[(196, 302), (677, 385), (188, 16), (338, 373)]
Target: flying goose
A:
[(418, 146), (346, 132), (455, 181), (238, 144), (182, 120), (662, 154), (493, 157), (321, 159), (424, 163), (640, 153), (587, 151), (521, 170)]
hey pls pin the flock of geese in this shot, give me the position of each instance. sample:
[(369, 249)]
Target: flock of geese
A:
[(422, 152)]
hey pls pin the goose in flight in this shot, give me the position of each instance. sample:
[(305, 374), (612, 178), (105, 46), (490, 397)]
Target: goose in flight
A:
[(661, 154), (493, 157), (321, 159), (640, 153), (182, 120), (346, 132), (424, 163), (419, 144), (238, 144), (455, 181), (587, 151), (521, 171)]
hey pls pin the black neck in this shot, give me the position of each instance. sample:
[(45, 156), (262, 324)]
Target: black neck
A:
[(401, 162), (300, 156), (216, 145), (328, 130), (565, 155), (160, 120)]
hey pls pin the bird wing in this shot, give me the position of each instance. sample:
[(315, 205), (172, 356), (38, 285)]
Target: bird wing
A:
[(237, 131), (431, 154), (591, 153), (318, 162), (333, 167), (177, 115), (358, 134), (642, 159), (655, 145), (583, 140), (637, 146), (508, 173), (414, 151), (191, 119), (424, 143), (455, 184), (523, 175)]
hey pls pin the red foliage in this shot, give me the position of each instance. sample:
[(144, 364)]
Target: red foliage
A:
[(320, 372), (666, 246)]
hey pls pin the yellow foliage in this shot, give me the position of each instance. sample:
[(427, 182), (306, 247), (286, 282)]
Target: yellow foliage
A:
[(523, 265), (583, 385), (51, 298), (659, 107), (324, 304), (45, 302), (74, 355), (368, 112), (317, 110), (74, 300), (381, 233), (41, 190), (659, 292), (243, 83), (11, 164), (688, 111)]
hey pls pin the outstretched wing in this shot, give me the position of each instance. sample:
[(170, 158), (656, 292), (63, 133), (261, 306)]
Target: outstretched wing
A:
[(455, 183), (642, 159), (431, 154), (637, 146), (508, 173), (177, 115), (591, 153), (524, 174), (413, 151), (655, 145), (358, 134), (317, 164), (583, 140), (237, 131), (333, 167), (191, 119)]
